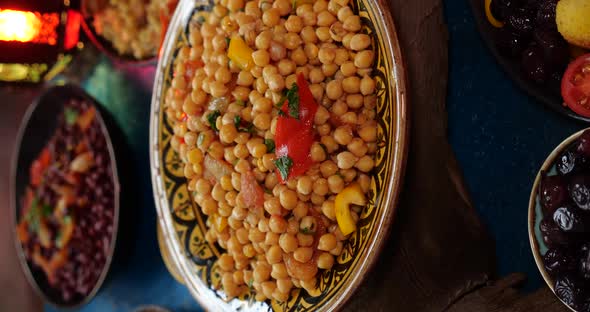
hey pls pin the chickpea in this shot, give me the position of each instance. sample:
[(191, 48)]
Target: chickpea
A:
[(360, 42), (346, 160), (284, 285), (261, 57), (271, 238), (276, 82), (344, 12), (320, 6), (298, 56), (245, 79), (351, 84), (277, 224), (335, 184), (326, 55), (274, 254), (334, 89), (365, 164), (367, 85), (288, 242), (325, 261), (228, 133), (261, 272), (354, 101), (235, 5), (343, 135), (338, 249), (368, 132), (325, 18), (300, 210), (303, 254), (288, 199), (304, 185), (271, 17), (328, 210), (263, 40), (256, 236), (327, 242), (364, 59), (358, 147), (277, 51), (294, 24), (284, 6), (308, 34)]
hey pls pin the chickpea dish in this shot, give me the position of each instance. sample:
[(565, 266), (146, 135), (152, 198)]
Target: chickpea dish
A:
[(273, 110)]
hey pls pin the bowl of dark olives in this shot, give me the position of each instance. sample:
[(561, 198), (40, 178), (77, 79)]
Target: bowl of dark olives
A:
[(559, 221)]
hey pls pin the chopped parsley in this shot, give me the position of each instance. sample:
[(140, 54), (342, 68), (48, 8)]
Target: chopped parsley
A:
[(212, 119), (201, 19), (71, 116), (240, 102), (227, 40), (243, 126), (307, 231), (67, 220), (270, 145), (284, 165), (292, 98), (58, 242), (250, 282), (32, 217), (267, 191), (46, 210)]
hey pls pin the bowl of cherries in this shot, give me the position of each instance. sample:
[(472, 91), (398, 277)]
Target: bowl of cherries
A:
[(559, 221)]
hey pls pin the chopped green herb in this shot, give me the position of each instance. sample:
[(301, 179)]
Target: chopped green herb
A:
[(243, 126), (294, 4), (284, 165), (307, 231), (200, 139), (67, 220), (212, 119), (46, 210), (71, 116), (58, 239), (32, 217), (201, 19), (270, 145), (292, 98), (250, 282), (267, 191), (240, 102), (227, 40)]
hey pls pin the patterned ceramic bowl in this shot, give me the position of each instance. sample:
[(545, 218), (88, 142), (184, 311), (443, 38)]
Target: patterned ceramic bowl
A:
[(183, 224), (535, 215)]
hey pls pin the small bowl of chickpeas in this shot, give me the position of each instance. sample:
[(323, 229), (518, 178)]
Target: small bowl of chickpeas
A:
[(279, 138), (128, 31)]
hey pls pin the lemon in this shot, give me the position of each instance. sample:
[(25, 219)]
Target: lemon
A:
[(573, 21)]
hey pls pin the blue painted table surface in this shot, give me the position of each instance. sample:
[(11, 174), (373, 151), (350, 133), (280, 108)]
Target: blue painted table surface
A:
[(500, 136)]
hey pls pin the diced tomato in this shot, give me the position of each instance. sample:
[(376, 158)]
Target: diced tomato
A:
[(294, 137), (252, 192), (38, 167), (190, 67), (575, 86)]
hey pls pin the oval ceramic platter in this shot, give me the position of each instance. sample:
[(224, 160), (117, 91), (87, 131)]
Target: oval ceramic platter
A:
[(183, 224)]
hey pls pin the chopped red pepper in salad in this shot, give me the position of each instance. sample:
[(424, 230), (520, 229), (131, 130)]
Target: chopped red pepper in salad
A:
[(294, 132)]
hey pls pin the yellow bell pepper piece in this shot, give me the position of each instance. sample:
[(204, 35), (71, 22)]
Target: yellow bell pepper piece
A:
[(352, 194), (240, 53), (220, 223)]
